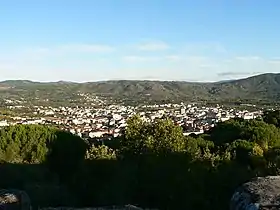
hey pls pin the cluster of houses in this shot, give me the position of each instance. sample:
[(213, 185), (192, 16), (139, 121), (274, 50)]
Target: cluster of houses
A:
[(110, 121)]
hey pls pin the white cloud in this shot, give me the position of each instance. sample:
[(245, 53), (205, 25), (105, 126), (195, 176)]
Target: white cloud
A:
[(275, 60), (91, 48), (228, 61), (248, 58), (196, 58), (173, 60), (85, 61), (65, 49), (153, 46), (237, 73), (219, 48), (208, 65), (6, 66), (173, 57), (208, 47), (37, 50), (132, 58)]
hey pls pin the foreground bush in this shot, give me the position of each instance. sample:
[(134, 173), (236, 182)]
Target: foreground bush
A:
[(37, 144), (152, 165)]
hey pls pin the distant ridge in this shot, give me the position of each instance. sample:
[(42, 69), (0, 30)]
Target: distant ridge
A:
[(64, 82), (264, 87), (223, 81), (132, 80)]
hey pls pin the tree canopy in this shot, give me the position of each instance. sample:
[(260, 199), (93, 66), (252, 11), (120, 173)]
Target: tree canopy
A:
[(152, 164)]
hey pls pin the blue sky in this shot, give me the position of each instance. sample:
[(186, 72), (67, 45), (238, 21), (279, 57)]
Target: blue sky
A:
[(90, 40)]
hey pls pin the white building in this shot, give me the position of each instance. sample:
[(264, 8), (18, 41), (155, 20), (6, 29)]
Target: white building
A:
[(3, 123)]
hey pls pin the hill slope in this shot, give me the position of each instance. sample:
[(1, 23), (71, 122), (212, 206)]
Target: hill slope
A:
[(265, 87)]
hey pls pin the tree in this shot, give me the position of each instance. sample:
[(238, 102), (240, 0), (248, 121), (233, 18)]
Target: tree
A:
[(25, 143), (100, 153), (265, 135), (227, 132), (272, 117), (273, 161), (160, 137), (62, 151), (66, 154)]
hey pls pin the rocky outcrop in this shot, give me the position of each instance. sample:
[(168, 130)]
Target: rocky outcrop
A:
[(127, 207), (19, 200), (260, 193), (14, 200)]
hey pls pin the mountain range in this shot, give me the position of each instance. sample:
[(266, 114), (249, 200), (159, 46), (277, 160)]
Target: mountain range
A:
[(264, 87)]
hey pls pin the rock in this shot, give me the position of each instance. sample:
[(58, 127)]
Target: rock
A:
[(19, 200), (14, 200), (126, 207), (260, 193)]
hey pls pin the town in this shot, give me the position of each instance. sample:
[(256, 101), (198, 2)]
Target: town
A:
[(101, 120)]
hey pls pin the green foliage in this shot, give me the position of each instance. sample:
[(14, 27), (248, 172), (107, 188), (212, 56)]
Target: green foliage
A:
[(273, 161), (257, 131), (66, 155), (159, 137), (272, 117), (198, 147), (153, 164), (102, 152), (257, 89), (62, 151), (25, 143), (227, 132)]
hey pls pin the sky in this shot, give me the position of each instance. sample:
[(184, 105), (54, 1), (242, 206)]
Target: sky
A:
[(93, 40)]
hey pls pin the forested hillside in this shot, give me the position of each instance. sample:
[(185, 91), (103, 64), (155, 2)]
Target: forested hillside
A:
[(152, 165), (261, 88)]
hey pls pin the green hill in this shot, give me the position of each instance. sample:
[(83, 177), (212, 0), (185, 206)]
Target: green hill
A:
[(264, 87)]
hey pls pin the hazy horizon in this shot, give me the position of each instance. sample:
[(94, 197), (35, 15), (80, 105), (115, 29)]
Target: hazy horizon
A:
[(89, 41), (155, 80)]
